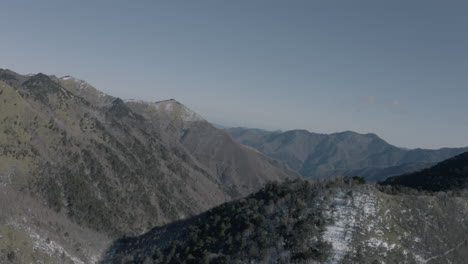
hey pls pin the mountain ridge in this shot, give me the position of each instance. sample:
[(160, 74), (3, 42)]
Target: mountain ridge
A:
[(339, 220), (79, 169), (448, 175), (116, 167), (346, 153)]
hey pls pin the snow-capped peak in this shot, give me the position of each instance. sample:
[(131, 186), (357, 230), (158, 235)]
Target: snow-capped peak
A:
[(82, 84), (178, 110), (66, 77)]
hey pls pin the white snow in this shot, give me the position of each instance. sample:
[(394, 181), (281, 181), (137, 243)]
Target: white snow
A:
[(376, 243), (83, 84), (190, 116), (135, 101), (46, 245), (339, 234), (176, 109), (168, 107), (348, 213)]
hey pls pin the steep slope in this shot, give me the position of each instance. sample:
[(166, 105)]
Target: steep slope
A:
[(100, 166), (339, 221), (93, 158), (449, 175), (236, 166), (252, 136), (270, 225), (30, 232), (85, 90), (340, 154)]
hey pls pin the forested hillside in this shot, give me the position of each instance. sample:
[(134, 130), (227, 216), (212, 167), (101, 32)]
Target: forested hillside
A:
[(344, 220), (117, 167), (449, 175)]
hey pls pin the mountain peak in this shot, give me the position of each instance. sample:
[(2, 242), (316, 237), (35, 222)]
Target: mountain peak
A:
[(40, 78), (351, 134), (67, 77), (177, 110), (82, 84), (118, 101), (6, 74), (41, 85)]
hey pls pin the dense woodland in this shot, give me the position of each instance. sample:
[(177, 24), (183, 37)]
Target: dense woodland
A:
[(274, 224), (449, 175), (282, 223)]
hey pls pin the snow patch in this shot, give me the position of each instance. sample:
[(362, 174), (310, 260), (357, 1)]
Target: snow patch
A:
[(168, 107), (67, 77), (347, 212), (177, 110), (50, 247), (83, 85), (376, 243), (135, 101)]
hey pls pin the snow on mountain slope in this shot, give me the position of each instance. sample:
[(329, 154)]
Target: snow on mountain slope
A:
[(177, 110), (85, 90), (338, 221), (346, 216), (368, 225)]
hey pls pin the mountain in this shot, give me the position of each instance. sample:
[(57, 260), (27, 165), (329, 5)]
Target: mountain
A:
[(329, 221), (449, 175), (116, 167), (376, 174), (340, 154), (31, 232), (86, 177), (240, 168)]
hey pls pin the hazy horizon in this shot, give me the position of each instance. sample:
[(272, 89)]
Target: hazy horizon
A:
[(398, 69)]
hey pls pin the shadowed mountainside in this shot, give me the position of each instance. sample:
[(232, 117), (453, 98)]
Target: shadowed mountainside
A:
[(449, 175), (329, 221)]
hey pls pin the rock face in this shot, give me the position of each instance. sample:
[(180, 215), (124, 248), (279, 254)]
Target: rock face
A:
[(348, 153), (335, 221), (118, 167)]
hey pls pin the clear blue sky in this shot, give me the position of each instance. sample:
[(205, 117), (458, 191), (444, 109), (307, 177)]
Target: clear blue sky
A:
[(397, 68)]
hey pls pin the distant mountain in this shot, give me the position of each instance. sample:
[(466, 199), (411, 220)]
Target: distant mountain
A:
[(329, 221), (118, 167), (341, 154), (449, 175), (376, 174), (219, 126)]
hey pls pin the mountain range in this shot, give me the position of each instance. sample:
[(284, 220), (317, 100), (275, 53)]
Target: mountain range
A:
[(348, 153), (86, 177), (417, 217), (112, 166)]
